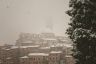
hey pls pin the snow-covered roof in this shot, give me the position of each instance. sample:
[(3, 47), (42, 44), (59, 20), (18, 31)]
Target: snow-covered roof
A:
[(38, 54), (56, 45), (67, 45), (49, 38), (8, 58), (29, 46), (52, 46), (56, 52), (68, 56), (7, 49), (13, 47), (24, 57), (44, 47)]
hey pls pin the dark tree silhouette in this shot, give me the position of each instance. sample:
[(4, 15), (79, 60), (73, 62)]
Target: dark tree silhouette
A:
[(82, 30)]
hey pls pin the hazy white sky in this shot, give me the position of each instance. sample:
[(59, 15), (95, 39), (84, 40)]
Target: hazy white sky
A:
[(31, 16)]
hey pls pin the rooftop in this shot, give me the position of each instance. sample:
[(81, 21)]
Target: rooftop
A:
[(49, 39), (44, 47), (67, 45), (29, 46), (38, 54), (8, 58), (68, 56), (56, 52), (24, 57)]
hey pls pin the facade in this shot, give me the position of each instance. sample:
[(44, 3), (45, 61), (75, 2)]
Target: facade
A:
[(55, 57), (38, 58), (24, 60), (69, 59)]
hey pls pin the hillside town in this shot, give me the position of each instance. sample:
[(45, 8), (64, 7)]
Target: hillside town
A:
[(44, 48)]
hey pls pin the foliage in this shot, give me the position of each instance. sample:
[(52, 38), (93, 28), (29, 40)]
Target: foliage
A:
[(82, 30)]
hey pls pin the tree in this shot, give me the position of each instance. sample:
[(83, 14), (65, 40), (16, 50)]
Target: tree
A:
[(82, 30)]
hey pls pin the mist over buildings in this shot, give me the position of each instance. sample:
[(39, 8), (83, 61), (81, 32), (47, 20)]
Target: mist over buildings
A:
[(32, 16)]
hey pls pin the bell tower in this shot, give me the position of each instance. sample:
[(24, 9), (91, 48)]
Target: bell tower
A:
[(49, 25)]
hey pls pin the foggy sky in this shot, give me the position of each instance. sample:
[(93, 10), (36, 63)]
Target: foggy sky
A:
[(31, 16)]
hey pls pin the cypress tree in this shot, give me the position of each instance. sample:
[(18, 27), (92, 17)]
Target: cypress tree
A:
[(82, 30)]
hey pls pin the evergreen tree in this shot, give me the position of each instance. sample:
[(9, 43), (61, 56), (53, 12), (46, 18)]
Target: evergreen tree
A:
[(82, 30)]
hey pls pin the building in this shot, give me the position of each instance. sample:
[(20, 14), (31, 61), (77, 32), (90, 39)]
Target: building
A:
[(69, 59), (24, 60), (45, 48), (38, 58), (55, 57)]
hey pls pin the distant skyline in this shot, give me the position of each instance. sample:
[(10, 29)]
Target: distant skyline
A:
[(32, 16)]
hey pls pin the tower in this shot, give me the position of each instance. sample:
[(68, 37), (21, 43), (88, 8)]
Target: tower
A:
[(49, 25)]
